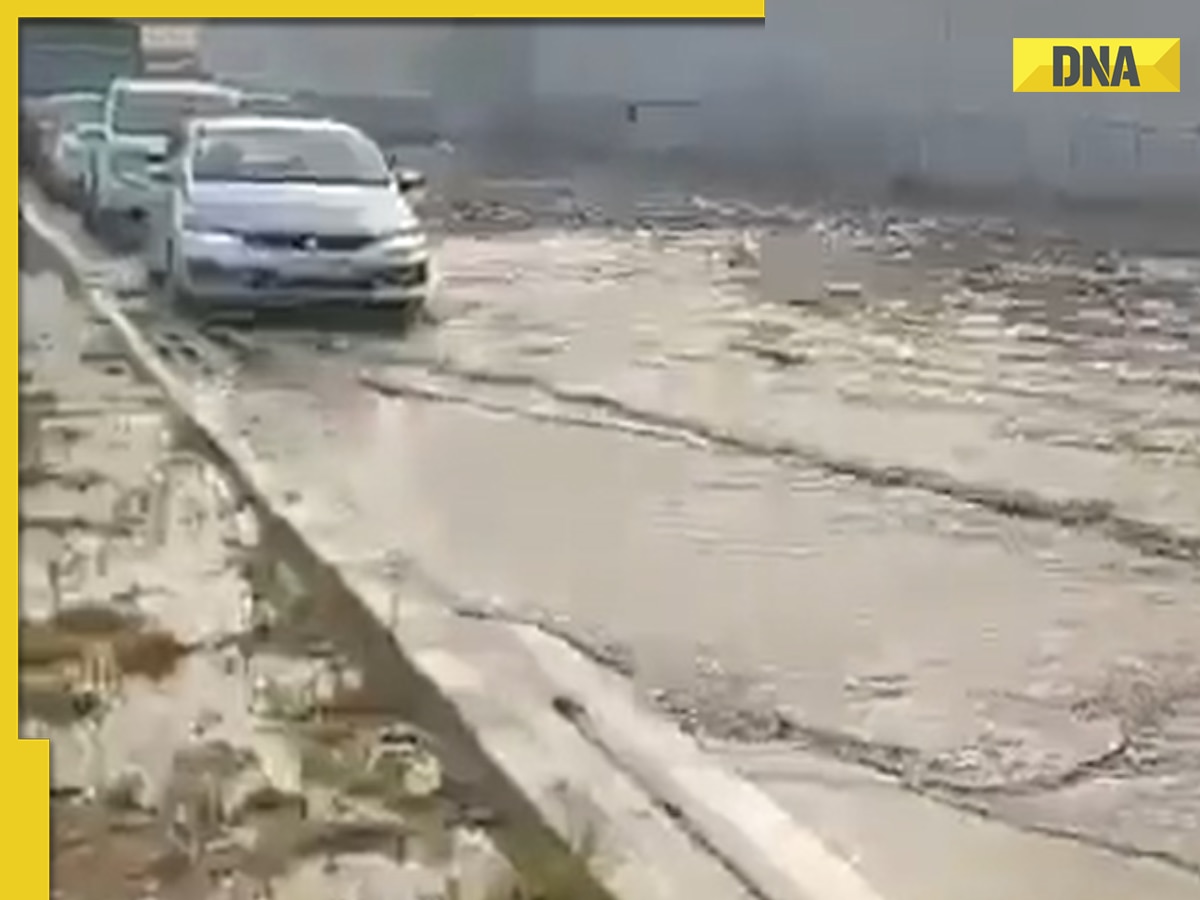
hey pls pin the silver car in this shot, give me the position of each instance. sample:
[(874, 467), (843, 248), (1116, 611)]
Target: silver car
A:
[(263, 212)]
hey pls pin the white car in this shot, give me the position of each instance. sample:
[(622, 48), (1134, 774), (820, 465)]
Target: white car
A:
[(139, 116), (266, 212)]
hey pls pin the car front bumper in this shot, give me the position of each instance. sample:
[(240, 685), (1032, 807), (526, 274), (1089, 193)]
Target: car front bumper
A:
[(227, 272)]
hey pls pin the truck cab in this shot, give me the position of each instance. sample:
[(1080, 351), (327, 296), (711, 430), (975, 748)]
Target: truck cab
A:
[(139, 117)]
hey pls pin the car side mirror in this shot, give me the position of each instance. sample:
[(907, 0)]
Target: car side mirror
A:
[(408, 180)]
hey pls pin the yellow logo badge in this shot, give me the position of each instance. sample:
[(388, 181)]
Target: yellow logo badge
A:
[(1079, 65)]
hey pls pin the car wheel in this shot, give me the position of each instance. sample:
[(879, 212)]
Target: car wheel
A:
[(75, 194), (87, 197), (405, 316), (421, 312), (174, 291), (179, 298), (156, 266), (416, 313), (93, 216)]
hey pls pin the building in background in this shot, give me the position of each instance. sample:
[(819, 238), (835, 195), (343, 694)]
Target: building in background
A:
[(67, 55), (171, 48), (376, 75), (335, 57)]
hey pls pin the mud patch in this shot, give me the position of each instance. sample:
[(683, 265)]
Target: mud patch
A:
[(100, 636), (206, 738)]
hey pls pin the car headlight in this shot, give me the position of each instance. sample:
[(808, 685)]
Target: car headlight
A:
[(402, 240)]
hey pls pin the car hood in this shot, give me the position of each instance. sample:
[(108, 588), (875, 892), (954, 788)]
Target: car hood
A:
[(302, 207)]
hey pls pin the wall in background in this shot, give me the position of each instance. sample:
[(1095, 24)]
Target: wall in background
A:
[(881, 89), (341, 57), (890, 88)]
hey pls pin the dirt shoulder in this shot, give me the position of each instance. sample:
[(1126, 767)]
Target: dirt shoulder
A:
[(206, 739)]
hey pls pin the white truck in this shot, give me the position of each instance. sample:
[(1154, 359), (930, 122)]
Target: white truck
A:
[(140, 114)]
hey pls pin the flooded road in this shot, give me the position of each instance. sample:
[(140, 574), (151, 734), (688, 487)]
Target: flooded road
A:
[(208, 740), (918, 494)]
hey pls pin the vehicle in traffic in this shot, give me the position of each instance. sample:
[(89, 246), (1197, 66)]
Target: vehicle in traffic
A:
[(274, 212), (73, 123), (140, 114)]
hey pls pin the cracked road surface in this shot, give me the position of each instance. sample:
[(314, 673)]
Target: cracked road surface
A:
[(919, 497)]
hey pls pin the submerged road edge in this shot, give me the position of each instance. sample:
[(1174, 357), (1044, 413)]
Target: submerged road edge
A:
[(546, 725)]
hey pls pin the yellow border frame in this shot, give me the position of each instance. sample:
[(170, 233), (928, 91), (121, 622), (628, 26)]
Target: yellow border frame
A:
[(25, 764)]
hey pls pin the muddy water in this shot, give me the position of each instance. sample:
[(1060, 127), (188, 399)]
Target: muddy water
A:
[(1031, 650), (625, 433), (917, 494), (1100, 404), (206, 740)]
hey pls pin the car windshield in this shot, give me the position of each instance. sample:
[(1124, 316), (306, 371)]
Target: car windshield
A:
[(283, 154), (159, 112), (70, 112)]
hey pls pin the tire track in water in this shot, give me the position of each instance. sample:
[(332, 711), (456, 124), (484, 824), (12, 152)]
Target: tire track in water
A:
[(1097, 515), (911, 768)]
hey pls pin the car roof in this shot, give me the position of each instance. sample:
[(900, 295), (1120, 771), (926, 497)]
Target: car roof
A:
[(172, 85), (270, 123)]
